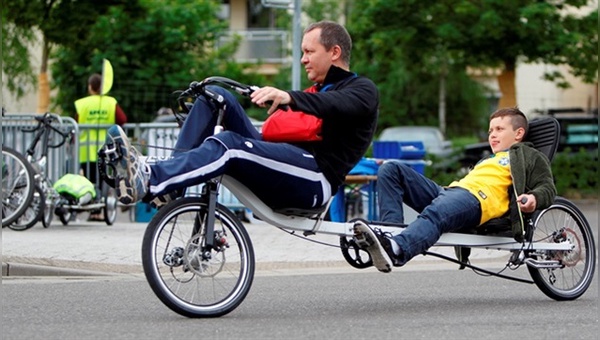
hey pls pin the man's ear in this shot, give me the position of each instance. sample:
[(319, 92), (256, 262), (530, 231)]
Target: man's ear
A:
[(336, 53)]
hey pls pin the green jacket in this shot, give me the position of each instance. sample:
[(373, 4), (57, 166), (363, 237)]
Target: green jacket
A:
[(531, 174)]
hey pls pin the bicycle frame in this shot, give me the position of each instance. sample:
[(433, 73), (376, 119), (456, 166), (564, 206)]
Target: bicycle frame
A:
[(319, 225)]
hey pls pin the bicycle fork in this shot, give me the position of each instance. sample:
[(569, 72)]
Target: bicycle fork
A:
[(204, 241)]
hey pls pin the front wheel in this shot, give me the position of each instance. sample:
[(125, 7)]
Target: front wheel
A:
[(188, 277), (18, 185), (564, 222)]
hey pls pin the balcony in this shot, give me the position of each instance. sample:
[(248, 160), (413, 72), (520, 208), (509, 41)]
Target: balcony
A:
[(266, 46)]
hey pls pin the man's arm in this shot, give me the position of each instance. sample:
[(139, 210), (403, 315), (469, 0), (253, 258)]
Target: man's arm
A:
[(357, 97)]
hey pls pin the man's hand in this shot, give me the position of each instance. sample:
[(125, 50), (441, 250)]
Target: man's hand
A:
[(527, 203), (270, 96)]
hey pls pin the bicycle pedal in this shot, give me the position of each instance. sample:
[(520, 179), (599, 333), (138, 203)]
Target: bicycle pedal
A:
[(361, 240)]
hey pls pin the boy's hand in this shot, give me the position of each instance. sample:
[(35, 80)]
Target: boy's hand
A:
[(527, 203)]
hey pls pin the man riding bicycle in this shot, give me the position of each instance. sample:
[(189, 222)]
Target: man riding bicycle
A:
[(295, 174)]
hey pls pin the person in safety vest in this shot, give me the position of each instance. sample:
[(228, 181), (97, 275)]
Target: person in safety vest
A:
[(99, 110)]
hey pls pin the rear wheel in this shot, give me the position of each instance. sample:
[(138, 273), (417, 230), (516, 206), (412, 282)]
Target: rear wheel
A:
[(50, 206), (110, 204), (564, 222), (188, 277), (18, 185), (64, 215)]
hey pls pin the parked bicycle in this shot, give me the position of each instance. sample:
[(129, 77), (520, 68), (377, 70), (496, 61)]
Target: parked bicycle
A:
[(49, 201), (199, 260)]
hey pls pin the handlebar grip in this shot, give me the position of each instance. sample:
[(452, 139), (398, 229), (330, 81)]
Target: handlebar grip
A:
[(524, 200)]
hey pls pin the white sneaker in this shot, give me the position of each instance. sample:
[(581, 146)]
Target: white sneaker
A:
[(132, 172)]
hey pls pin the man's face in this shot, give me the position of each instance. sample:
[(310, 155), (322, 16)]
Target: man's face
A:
[(501, 134), (315, 58)]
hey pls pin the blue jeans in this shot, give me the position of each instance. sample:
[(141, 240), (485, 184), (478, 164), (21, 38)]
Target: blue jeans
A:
[(282, 175), (441, 210)]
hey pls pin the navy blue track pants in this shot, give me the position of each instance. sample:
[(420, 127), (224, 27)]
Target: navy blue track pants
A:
[(280, 174)]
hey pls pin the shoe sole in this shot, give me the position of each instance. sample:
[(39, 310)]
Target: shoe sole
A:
[(366, 237), (124, 189)]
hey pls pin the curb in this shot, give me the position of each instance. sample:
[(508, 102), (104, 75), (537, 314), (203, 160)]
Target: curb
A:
[(23, 269)]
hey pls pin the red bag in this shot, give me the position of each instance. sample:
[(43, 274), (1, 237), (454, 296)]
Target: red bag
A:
[(292, 126)]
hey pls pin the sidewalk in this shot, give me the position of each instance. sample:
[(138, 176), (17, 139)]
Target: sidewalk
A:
[(93, 248)]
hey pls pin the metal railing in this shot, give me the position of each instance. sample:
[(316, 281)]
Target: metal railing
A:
[(61, 160), (151, 139)]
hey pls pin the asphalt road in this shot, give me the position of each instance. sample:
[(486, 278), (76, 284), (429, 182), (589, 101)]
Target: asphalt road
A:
[(310, 295), (406, 304)]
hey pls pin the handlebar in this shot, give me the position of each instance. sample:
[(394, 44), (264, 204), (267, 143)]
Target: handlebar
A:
[(199, 88), (45, 122)]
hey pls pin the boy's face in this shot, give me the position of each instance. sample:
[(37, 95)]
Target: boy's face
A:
[(501, 134)]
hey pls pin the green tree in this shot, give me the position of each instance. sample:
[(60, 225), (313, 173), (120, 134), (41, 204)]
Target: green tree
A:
[(402, 47), (17, 71), (59, 22), (502, 33), (155, 51), (414, 40)]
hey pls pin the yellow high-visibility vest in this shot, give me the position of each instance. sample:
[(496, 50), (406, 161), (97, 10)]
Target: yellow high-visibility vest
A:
[(94, 109)]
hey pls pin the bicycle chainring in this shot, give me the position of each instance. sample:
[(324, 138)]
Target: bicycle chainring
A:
[(354, 255)]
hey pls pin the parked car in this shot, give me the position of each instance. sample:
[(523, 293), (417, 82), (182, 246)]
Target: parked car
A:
[(433, 139)]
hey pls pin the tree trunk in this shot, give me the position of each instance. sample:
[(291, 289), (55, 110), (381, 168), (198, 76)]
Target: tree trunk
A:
[(506, 82), (43, 83)]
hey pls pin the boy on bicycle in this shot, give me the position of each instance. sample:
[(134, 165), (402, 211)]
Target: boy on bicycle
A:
[(299, 175), (516, 177)]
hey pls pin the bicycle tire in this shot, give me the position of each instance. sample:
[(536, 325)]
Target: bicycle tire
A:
[(110, 204), (64, 215), (48, 215), (560, 222), (33, 213), (176, 266), (51, 200), (18, 185)]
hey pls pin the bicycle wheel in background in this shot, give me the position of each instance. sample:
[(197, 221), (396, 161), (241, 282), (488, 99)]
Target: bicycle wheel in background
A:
[(52, 198), (33, 213), (186, 276), (18, 185), (109, 197)]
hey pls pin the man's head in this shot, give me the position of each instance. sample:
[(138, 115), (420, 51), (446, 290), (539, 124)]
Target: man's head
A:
[(325, 43), (507, 127), (94, 82)]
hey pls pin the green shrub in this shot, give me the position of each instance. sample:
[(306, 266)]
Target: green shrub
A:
[(576, 173)]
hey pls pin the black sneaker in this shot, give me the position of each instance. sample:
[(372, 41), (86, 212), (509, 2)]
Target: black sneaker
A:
[(366, 238), (384, 238)]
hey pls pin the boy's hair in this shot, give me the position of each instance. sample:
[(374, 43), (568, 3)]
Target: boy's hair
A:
[(517, 118), (94, 81), (333, 34)]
